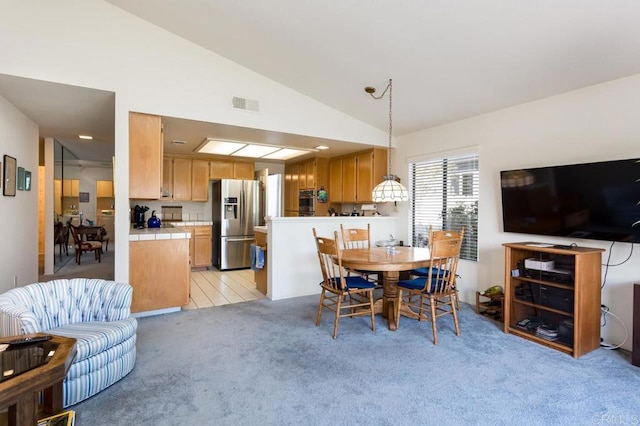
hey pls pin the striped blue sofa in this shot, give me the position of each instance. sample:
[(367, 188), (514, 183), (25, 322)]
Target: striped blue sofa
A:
[(96, 312)]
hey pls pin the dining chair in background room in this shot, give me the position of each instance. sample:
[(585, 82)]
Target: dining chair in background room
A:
[(85, 246), (346, 296), (433, 296), (442, 234), (358, 238), (61, 236)]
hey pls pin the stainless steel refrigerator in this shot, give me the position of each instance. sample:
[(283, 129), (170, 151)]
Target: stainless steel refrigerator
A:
[(235, 206)]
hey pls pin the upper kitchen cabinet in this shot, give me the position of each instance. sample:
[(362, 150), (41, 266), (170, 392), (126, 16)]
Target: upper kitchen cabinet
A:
[(354, 176), (310, 174), (291, 189), (104, 189), (220, 169), (145, 156), (185, 178), (227, 169), (167, 177), (182, 179), (242, 170), (200, 180), (70, 188)]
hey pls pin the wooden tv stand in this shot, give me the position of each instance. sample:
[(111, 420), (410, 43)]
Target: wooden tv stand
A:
[(565, 299)]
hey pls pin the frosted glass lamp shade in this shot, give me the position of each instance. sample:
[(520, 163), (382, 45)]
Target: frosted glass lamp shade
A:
[(389, 190)]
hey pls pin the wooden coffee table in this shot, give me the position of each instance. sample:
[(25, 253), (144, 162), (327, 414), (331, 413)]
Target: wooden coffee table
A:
[(21, 393)]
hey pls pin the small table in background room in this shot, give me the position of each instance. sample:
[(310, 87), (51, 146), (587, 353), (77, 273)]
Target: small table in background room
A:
[(89, 232), (21, 392), (379, 259)]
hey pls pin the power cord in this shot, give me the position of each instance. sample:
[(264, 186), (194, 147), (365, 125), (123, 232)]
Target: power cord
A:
[(606, 265), (605, 311)]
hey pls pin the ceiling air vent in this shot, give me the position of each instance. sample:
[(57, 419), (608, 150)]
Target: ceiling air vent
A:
[(178, 142), (245, 104)]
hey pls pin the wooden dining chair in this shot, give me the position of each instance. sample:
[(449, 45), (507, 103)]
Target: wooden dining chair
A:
[(433, 296), (358, 238), (442, 234), (61, 237), (346, 296), (81, 246)]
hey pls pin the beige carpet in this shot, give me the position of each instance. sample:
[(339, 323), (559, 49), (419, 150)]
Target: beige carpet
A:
[(88, 268)]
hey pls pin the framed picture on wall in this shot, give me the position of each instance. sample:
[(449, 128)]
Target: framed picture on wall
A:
[(20, 181), (1, 174), (9, 188), (27, 180)]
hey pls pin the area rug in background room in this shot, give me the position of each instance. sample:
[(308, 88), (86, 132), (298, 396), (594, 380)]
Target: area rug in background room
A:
[(265, 362)]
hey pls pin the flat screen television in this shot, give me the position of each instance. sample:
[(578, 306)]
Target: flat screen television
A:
[(596, 201)]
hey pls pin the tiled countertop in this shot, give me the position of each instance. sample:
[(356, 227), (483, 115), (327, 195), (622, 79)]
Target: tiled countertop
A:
[(169, 231)]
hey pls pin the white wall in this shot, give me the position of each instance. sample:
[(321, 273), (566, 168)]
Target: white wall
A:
[(93, 44), (19, 214), (292, 257), (597, 123)]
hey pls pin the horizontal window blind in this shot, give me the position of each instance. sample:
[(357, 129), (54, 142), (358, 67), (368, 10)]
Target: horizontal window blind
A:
[(445, 196)]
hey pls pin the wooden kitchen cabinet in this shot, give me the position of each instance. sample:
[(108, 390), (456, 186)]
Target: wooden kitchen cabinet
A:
[(167, 177), (228, 169), (220, 169), (335, 180), (349, 174), (199, 180), (202, 246), (243, 170), (353, 177), (145, 156), (159, 274), (310, 174), (291, 188), (70, 188), (182, 179), (104, 189)]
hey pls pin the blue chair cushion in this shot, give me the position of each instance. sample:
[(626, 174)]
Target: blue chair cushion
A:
[(423, 272), (356, 283), (418, 284)]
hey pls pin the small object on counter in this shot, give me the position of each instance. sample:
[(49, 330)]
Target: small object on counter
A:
[(153, 221)]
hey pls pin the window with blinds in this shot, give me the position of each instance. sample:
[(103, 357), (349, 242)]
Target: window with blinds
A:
[(445, 196)]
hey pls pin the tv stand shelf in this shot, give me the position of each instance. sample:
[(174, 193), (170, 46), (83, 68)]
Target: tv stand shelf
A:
[(562, 305)]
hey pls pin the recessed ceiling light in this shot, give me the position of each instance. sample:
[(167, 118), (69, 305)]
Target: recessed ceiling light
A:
[(85, 137), (322, 147), (213, 146), (285, 154), (255, 151)]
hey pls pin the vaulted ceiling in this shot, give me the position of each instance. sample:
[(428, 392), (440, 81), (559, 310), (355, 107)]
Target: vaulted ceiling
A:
[(449, 60)]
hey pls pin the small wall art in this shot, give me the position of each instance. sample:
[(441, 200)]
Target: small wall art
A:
[(10, 164), (20, 182), (27, 180)]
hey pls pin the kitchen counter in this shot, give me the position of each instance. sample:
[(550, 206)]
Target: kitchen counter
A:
[(262, 229), (168, 231)]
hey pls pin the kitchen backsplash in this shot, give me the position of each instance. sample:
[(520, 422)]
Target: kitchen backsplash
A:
[(187, 211)]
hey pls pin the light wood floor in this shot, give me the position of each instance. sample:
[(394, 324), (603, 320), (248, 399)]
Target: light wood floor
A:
[(215, 288)]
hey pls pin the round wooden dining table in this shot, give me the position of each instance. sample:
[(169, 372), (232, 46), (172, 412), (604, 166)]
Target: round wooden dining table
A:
[(390, 263)]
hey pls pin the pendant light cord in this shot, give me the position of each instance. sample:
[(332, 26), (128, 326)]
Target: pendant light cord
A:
[(390, 89)]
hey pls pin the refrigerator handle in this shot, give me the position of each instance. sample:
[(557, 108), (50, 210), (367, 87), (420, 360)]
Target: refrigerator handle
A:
[(238, 240), (242, 206)]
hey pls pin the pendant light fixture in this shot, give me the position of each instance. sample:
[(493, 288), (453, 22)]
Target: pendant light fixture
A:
[(390, 189)]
